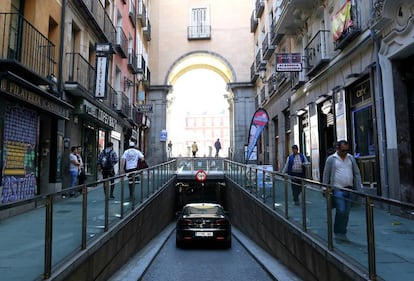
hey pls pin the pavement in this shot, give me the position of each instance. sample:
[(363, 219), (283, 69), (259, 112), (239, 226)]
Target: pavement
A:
[(137, 265)]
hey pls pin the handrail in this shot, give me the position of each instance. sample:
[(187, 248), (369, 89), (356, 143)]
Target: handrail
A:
[(71, 224), (369, 212)]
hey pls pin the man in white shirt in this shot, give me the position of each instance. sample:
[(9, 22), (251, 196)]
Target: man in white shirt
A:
[(341, 170), (129, 163)]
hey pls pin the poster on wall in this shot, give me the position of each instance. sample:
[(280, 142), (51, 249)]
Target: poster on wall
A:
[(340, 113), (19, 154)]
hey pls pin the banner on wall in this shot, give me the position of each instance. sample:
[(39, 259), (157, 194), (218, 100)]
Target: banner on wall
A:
[(258, 123), (341, 21)]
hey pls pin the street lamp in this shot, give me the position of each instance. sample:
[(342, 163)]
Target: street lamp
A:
[(262, 71)]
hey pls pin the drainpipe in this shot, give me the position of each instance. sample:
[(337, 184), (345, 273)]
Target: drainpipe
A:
[(61, 49), (379, 105)]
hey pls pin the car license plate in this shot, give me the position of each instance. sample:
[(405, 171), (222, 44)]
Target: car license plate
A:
[(204, 234)]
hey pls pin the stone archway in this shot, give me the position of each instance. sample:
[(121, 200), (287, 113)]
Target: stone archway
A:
[(159, 97)]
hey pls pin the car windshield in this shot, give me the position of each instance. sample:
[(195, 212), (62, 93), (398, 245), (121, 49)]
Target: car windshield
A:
[(200, 210)]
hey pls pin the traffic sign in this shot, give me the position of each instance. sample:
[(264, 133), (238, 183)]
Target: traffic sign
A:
[(201, 175)]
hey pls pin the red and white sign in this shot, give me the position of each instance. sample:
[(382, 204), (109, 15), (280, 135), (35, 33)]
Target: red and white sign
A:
[(201, 175), (289, 62)]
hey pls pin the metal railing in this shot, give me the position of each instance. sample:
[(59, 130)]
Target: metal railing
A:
[(53, 229), (380, 230), (20, 41)]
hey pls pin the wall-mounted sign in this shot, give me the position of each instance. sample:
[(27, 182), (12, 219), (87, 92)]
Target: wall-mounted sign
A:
[(144, 107), (88, 108), (101, 73), (291, 62)]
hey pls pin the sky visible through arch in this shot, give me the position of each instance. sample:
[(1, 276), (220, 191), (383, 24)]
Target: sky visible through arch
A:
[(196, 92)]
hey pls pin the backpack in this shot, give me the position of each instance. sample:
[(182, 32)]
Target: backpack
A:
[(106, 161)]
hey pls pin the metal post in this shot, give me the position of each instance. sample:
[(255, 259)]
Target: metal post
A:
[(328, 194), (286, 196), (84, 215), (370, 238), (48, 237), (302, 186), (106, 187)]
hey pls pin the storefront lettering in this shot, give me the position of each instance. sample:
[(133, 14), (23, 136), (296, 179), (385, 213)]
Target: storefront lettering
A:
[(361, 92), (99, 114), (15, 90)]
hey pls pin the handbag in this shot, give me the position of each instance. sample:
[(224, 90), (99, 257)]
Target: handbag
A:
[(142, 164)]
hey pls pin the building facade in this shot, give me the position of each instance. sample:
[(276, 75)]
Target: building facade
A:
[(211, 35), (73, 73), (331, 70)]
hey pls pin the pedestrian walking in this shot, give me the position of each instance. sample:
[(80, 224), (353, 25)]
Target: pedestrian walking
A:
[(341, 170), (194, 149), (106, 161), (129, 163), (169, 149), (217, 145), (295, 166)]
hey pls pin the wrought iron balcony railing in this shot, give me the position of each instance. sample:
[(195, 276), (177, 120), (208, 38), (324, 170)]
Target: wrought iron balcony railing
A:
[(267, 47), (81, 72), (97, 16), (132, 13), (146, 31), (253, 22), (121, 103), (23, 45), (260, 5), (316, 52), (142, 13), (132, 61), (121, 42)]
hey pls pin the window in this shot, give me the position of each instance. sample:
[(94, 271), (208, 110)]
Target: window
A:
[(199, 24)]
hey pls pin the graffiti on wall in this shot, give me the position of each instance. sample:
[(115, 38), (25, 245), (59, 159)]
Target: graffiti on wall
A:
[(19, 154)]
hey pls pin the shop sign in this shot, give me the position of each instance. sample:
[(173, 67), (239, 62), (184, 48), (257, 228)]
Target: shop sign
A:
[(144, 107), (25, 95), (290, 62), (97, 113)]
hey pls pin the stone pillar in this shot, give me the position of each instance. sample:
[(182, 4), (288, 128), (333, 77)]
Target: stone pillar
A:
[(157, 150), (242, 108)]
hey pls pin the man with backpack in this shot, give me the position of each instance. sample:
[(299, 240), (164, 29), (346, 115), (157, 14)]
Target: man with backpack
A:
[(106, 161)]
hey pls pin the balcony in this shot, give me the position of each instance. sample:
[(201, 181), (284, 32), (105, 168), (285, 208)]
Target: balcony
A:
[(199, 32), (142, 13), (81, 76), (275, 38), (132, 13), (147, 78), (132, 61), (24, 50), (95, 13), (267, 48), (259, 7), (121, 104), (343, 37), (316, 52), (121, 44), (293, 16), (258, 60), (141, 64), (253, 22), (297, 79), (254, 74), (146, 31)]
